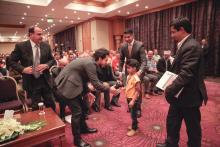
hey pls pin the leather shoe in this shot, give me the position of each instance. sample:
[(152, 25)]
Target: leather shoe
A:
[(89, 130), (95, 108), (161, 145), (109, 108), (81, 143), (115, 104)]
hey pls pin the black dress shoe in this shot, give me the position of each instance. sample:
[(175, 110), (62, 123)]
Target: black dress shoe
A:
[(95, 108), (81, 143), (109, 108), (161, 145), (89, 130), (115, 104)]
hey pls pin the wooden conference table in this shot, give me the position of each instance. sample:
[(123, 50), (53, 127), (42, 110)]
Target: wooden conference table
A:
[(54, 129)]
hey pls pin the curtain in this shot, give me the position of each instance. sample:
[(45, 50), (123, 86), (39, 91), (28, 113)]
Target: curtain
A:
[(66, 38), (153, 29)]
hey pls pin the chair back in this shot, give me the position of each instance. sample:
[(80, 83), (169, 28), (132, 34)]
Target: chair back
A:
[(8, 89)]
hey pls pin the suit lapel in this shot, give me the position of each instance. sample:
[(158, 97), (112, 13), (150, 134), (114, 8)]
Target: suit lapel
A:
[(179, 52), (133, 48), (127, 51), (29, 51), (41, 52)]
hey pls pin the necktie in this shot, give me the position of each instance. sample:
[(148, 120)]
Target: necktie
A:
[(36, 62), (129, 49)]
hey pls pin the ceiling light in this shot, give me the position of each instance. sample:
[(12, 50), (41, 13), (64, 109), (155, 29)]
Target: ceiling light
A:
[(52, 9), (119, 11), (28, 7), (78, 18), (89, 13), (171, 0), (42, 19), (60, 20), (37, 23), (45, 15), (66, 17), (20, 22), (74, 11), (137, 5), (49, 20), (54, 24), (71, 21), (22, 17), (128, 12), (25, 14), (146, 7)]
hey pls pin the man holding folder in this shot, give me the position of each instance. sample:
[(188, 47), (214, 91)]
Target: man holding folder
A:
[(188, 85)]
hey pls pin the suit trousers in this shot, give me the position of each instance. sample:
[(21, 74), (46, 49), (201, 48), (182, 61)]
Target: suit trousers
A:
[(192, 118), (78, 122), (41, 89)]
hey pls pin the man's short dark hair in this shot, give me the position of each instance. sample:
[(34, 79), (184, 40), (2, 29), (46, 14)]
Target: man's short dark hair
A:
[(133, 63), (31, 30), (182, 22), (128, 31), (100, 53)]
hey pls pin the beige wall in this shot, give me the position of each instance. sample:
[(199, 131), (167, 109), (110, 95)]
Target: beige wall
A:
[(78, 35), (7, 47)]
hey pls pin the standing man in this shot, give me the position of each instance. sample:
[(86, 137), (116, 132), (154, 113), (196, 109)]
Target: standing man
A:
[(188, 65), (132, 49), (35, 60), (72, 85)]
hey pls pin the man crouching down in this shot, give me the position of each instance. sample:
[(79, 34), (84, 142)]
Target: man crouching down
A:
[(71, 84)]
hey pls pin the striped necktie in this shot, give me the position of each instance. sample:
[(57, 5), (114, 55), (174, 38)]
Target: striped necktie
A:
[(36, 62)]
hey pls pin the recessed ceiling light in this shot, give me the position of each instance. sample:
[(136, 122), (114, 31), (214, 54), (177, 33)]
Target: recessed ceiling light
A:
[(46, 15), (20, 22), (52, 9), (71, 21), (89, 13), (28, 7), (128, 12), (60, 20), (54, 24), (22, 17), (42, 19), (37, 23), (25, 14), (66, 17), (171, 0), (119, 11), (74, 12), (146, 7), (137, 5), (78, 18)]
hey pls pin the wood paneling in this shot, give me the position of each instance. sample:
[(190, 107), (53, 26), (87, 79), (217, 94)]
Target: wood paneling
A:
[(12, 26), (86, 35)]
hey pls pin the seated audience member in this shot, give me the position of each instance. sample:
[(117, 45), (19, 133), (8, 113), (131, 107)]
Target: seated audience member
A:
[(164, 63), (3, 70), (105, 75), (57, 58), (115, 63), (150, 79), (156, 57)]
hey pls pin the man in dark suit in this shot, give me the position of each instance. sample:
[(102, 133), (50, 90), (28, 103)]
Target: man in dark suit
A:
[(32, 59), (132, 49), (187, 92), (164, 63), (72, 84)]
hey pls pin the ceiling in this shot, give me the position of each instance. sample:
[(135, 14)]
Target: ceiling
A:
[(56, 15)]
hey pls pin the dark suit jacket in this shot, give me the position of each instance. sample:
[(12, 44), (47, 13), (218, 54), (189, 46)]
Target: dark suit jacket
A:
[(188, 64), (137, 53), (72, 80), (105, 74), (22, 57), (161, 65)]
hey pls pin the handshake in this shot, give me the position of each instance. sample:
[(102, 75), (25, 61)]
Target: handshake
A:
[(118, 85)]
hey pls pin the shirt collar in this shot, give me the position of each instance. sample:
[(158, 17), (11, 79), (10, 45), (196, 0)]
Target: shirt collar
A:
[(182, 41), (32, 44), (132, 42)]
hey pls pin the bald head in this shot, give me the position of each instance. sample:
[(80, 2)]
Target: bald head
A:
[(35, 34)]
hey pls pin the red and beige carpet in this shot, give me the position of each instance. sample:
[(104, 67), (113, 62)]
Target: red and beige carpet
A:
[(112, 125)]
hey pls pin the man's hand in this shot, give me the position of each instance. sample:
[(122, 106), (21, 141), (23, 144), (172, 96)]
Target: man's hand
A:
[(91, 98), (131, 104), (114, 91), (28, 70), (41, 67)]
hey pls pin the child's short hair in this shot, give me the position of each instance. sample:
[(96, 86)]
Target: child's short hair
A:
[(133, 63)]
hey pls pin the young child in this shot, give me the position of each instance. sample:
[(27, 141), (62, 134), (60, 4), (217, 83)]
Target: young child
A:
[(132, 93)]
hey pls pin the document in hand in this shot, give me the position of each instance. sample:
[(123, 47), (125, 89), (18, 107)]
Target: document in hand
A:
[(167, 79)]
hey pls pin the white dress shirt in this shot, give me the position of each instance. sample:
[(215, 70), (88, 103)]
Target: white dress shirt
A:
[(181, 42), (34, 48)]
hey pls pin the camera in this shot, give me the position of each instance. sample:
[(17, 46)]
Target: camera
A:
[(118, 85)]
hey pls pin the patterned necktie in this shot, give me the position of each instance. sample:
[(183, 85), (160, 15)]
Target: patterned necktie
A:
[(36, 62), (129, 49)]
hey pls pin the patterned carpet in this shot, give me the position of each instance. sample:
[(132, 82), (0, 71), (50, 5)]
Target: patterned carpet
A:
[(112, 125)]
